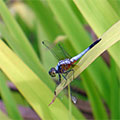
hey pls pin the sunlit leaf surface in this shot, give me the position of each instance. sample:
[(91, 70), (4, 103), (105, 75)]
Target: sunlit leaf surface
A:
[(109, 38)]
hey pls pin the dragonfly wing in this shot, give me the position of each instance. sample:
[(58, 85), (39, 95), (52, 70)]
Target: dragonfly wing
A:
[(66, 54), (57, 50)]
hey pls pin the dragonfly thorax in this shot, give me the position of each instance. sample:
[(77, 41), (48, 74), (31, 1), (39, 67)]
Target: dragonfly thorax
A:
[(63, 65)]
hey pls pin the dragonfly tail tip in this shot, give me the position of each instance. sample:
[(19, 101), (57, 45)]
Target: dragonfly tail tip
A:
[(100, 39)]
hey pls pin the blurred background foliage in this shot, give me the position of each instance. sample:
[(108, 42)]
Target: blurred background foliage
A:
[(26, 89)]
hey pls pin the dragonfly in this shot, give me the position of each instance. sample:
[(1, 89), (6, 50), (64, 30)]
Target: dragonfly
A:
[(66, 62)]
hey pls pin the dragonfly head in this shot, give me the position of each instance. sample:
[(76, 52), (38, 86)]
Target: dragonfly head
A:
[(52, 72)]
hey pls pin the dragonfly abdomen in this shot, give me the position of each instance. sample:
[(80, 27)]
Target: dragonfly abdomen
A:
[(86, 50), (75, 58)]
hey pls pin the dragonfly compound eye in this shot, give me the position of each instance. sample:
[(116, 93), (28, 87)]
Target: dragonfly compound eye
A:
[(52, 72)]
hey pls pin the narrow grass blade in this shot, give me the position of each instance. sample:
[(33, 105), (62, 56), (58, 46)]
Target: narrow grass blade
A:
[(20, 44), (48, 24), (100, 16), (8, 99), (31, 87), (24, 12), (115, 92), (98, 108), (115, 5), (45, 54), (17, 33), (36, 67), (70, 102)]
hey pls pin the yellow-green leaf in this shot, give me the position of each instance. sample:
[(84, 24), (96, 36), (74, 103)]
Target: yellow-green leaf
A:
[(100, 16), (8, 100), (109, 38), (31, 87)]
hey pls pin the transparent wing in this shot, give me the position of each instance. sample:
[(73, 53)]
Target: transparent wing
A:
[(57, 50)]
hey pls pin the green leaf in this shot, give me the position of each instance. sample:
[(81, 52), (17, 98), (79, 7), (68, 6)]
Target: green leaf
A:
[(69, 23), (100, 16), (97, 105), (115, 92), (115, 4), (19, 43), (24, 12), (109, 38), (45, 17), (48, 60), (31, 87), (35, 66), (79, 39), (17, 34), (7, 98)]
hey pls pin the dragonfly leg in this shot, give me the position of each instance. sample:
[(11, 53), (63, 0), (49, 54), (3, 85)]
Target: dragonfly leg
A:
[(65, 79), (73, 98), (66, 73), (59, 78)]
